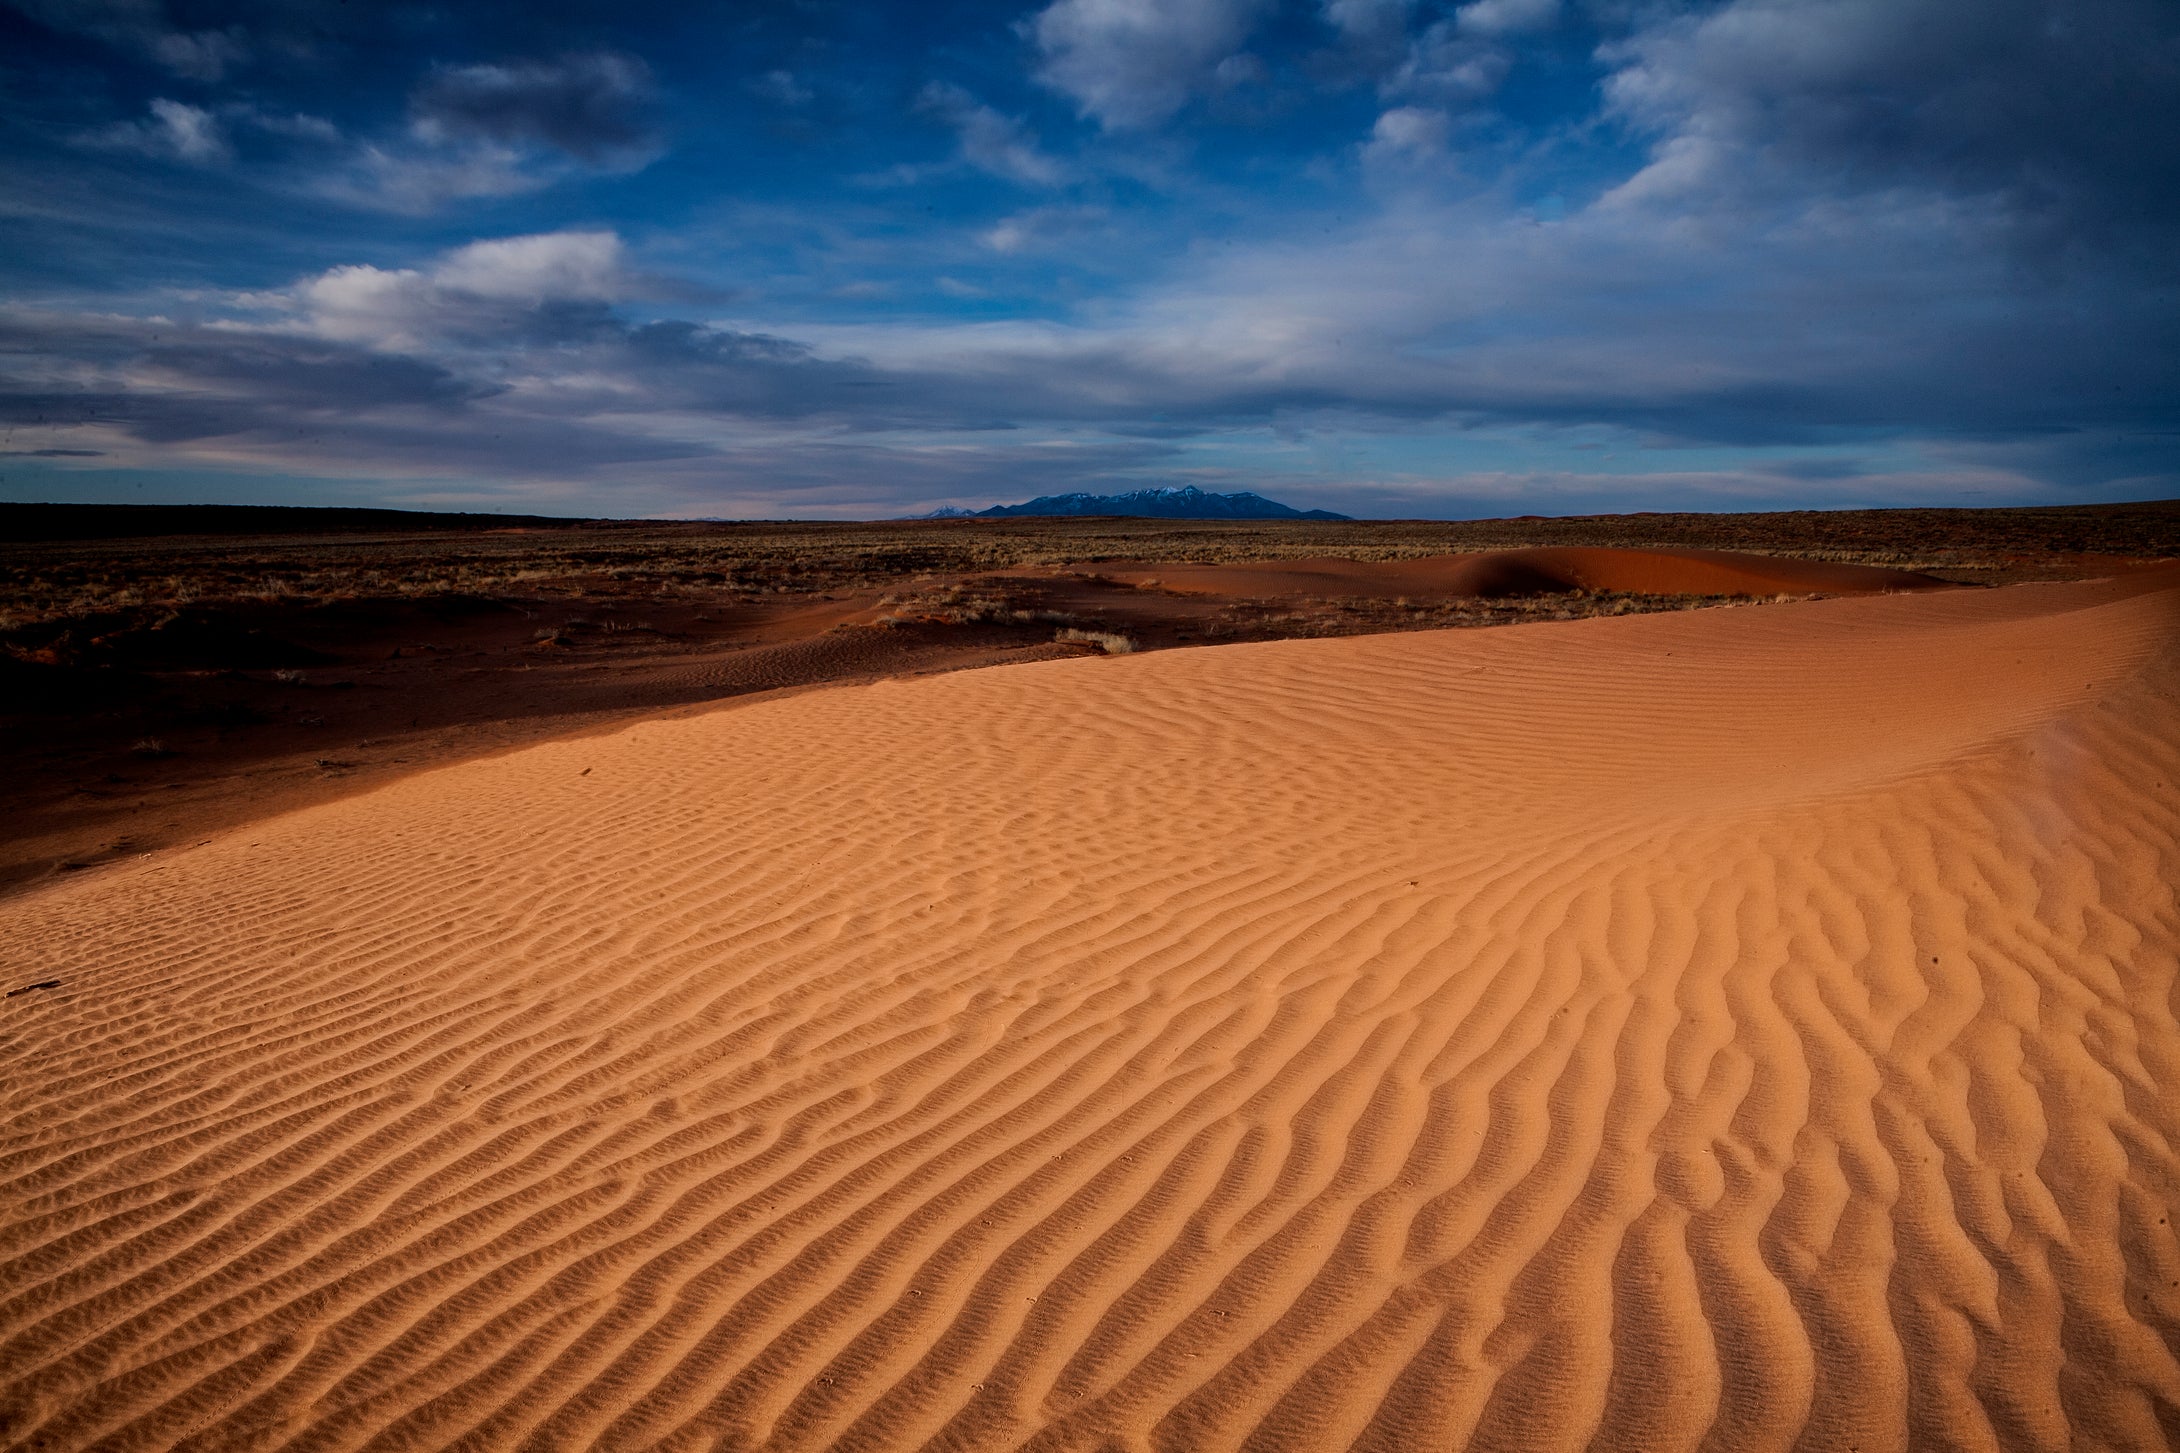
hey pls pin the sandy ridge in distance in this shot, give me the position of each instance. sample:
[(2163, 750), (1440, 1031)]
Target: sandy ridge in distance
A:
[(1754, 1026)]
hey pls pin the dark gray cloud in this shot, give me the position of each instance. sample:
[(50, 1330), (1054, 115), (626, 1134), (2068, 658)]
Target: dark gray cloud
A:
[(284, 374), (751, 374), (158, 385), (2062, 112), (596, 107)]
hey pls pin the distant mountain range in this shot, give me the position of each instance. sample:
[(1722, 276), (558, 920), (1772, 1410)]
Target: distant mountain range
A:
[(1185, 503)]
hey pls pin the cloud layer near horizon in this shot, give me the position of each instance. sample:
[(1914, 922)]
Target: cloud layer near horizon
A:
[(1386, 257)]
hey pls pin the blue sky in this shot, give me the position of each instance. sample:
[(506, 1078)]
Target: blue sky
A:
[(843, 260)]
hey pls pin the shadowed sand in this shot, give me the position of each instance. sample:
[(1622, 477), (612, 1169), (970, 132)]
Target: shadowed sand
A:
[(1543, 570), (1753, 1026)]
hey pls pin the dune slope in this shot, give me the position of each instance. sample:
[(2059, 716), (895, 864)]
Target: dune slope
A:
[(1747, 1028)]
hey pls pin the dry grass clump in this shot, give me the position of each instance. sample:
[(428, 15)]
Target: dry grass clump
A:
[(1112, 643), (1253, 620), (960, 605)]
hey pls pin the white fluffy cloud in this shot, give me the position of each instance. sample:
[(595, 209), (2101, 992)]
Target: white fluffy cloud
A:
[(579, 265), (1407, 131), (464, 292), (1133, 63)]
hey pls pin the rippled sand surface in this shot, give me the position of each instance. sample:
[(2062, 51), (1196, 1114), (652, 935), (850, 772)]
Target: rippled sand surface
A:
[(1747, 1028)]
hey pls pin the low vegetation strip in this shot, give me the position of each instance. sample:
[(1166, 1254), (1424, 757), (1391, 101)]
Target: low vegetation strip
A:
[(249, 660), (344, 555)]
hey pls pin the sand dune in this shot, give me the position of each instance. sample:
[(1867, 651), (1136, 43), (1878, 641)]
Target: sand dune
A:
[(1744, 1028), (1543, 570)]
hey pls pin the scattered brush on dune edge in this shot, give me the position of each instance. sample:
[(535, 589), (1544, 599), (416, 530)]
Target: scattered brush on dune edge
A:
[(1749, 1026)]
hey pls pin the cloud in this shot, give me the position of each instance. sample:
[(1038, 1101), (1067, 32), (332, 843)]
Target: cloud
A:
[(1368, 19), (487, 291), (553, 265), (503, 130), (279, 374), (503, 358), (991, 142), (1406, 133), (1134, 63), (1810, 284), (295, 126), (2059, 112), (203, 55), (1450, 65), (1041, 226), (205, 136), (1457, 59), (781, 88), (407, 180), (191, 131), (142, 26), (473, 131), (593, 106), (174, 130), (147, 392), (135, 385), (1505, 17), (1442, 317), (1477, 494)]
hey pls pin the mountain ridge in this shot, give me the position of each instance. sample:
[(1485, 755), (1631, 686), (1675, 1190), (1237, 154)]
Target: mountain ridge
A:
[(1183, 502)]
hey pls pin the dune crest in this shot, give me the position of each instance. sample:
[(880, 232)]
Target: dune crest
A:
[(1746, 1028)]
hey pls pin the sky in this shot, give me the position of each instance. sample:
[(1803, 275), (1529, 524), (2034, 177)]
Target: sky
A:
[(822, 259)]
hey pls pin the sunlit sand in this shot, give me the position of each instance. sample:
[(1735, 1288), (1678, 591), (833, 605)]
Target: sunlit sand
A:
[(1750, 1025)]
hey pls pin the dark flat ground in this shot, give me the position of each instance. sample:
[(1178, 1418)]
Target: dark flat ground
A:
[(158, 687)]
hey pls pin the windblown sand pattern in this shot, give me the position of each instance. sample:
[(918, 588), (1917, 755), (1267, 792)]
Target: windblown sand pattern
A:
[(1743, 1029)]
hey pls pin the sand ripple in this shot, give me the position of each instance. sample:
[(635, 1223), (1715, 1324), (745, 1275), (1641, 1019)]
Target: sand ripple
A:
[(1752, 1028)]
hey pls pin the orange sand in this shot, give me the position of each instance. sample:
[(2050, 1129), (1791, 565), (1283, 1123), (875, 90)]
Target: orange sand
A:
[(1543, 570), (1753, 1026)]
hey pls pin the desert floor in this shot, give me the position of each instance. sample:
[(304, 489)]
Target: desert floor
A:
[(1746, 1028), (162, 682)]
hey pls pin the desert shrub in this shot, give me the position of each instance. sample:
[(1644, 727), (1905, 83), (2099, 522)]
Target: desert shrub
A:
[(1110, 642)]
